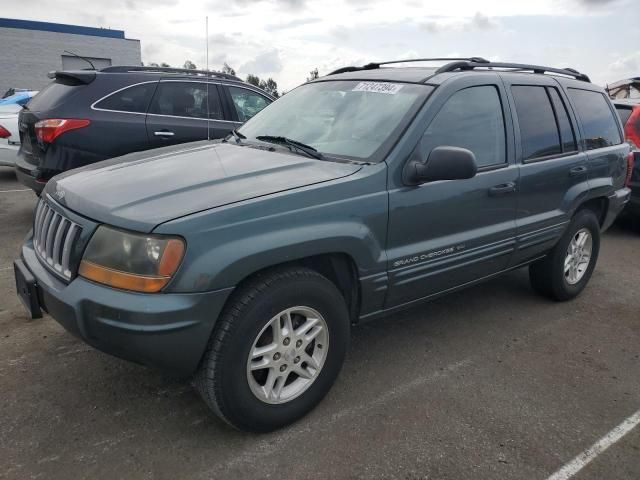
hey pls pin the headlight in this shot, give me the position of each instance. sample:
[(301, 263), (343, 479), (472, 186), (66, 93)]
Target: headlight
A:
[(132, 261)]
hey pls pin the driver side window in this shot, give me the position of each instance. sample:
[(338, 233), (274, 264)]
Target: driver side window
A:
[(472, 119)]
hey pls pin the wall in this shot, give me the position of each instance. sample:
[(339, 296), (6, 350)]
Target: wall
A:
[(28, 55)]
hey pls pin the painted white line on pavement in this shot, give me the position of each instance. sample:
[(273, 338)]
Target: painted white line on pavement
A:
[(19, 190), (586, 457)]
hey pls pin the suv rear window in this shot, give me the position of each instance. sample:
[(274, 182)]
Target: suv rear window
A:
[(624, 113), (53, 94), (599, 124), (133, 99)]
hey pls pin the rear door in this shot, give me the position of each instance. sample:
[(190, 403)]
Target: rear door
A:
[(118, 121), (185, 111), (601, 138), (552, 166)]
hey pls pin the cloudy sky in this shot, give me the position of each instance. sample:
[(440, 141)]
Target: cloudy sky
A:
[(285, 39)]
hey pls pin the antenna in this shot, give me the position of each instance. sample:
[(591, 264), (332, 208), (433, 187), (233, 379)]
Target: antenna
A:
[(206, 28), (83, 58)]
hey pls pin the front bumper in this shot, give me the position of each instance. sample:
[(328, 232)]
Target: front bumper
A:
[(167, 331), (617, 201)]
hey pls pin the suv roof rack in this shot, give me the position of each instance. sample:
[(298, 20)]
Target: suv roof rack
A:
[(472, 63), (520, 67), (374, 65), (181, 71)]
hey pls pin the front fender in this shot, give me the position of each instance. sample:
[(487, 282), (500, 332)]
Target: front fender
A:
[(226, 245)]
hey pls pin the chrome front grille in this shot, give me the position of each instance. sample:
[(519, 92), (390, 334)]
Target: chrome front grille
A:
[(53, 239)]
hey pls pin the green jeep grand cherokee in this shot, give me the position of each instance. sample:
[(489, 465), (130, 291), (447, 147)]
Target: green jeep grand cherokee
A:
[(243, 263)]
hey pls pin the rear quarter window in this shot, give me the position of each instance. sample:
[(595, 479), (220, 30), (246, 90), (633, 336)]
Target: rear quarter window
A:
[(598, 122), (134, 99), (624, 113)]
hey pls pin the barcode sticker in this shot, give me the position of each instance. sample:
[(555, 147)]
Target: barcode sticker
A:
[(378, 87)]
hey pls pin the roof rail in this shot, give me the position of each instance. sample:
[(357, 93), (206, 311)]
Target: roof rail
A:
[(374, 65), (470, 65), (181, 71)]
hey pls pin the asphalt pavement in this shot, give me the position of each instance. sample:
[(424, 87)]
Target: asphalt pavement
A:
[(493, 382)]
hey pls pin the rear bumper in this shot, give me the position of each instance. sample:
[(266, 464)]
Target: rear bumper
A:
[(27, 174), (617, 202), (167, 331), (633, 207), (8, 154)]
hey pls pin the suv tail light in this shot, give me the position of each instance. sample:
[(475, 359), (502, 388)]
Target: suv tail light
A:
[(630, 160), (4, 133), (48, 130), (632, 127)]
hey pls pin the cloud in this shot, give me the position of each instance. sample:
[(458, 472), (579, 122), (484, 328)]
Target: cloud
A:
[(292, 24), (266, 62), (479, 21)]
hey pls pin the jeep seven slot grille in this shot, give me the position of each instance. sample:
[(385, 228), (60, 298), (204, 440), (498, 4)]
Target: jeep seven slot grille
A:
[(53, 238)]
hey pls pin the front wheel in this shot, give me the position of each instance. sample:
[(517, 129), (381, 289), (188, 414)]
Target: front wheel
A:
[(566, 270), (276, 350)]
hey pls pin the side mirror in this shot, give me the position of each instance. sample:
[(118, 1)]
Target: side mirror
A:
[(443, 163)]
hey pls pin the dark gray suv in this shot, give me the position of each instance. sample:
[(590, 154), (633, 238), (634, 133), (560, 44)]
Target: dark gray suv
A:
[(86, 116), (243, 263)]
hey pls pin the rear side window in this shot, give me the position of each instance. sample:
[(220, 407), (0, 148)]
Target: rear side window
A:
[(567, 135), (472, 119), (539, 134), (246, 102), (133, 99), (624, 113), (187, 99), (599, 124)]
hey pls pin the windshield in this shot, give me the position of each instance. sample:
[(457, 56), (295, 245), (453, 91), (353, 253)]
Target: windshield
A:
[(353, 119)]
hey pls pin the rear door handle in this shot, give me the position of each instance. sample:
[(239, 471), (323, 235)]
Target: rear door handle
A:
[(576, 171), (164, 133), (502, 189)]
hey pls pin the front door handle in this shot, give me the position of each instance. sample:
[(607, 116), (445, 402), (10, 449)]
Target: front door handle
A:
[(577, 171), (164, 133), (502, 189)]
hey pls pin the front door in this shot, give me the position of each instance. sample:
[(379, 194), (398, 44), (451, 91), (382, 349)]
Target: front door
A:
[(445, 234)]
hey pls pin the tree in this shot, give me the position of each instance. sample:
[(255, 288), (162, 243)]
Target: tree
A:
[(253, 80), (153, 64), (189, 65), (227, 69), (165, 65), (270, 85), (313, 74)]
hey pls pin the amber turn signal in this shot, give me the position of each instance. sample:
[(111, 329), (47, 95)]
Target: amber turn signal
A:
[(124, 280)]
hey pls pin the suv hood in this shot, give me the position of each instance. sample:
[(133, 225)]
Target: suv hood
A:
[(142, 190)]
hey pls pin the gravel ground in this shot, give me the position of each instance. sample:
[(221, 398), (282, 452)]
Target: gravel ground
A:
[(491, 382)]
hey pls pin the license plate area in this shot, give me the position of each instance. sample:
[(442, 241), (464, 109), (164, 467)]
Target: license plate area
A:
[(27, 289)]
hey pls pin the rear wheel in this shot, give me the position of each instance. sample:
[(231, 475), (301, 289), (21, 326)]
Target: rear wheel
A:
[(566, 270), (276, 350)]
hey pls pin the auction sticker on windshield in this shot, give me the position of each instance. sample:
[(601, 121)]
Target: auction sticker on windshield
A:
[(378, 87)]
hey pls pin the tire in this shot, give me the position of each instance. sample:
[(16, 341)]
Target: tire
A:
[(233, 390), (548, 275)]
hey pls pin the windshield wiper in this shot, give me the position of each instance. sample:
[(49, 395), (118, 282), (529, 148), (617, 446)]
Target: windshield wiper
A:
[(237, 135), (292, 144)]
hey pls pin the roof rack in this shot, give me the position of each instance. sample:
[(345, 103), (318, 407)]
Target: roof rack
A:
[(521, 67), (374, 65), (470, 64), (181, 71)]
